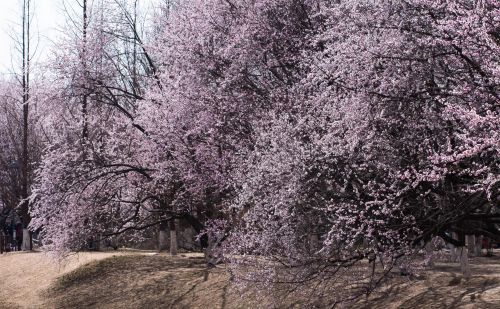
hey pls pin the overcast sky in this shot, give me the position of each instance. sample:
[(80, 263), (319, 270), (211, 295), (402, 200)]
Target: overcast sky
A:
[(48, 14)]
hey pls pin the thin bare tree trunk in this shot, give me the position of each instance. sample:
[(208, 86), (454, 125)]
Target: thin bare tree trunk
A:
[(25, 217), (85, 79), (135, 84)]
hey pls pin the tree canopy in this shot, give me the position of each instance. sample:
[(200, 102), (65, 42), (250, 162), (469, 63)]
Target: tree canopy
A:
[(304, 140)]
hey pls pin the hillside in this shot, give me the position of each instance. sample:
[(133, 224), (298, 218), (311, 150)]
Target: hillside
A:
[(147, 280)]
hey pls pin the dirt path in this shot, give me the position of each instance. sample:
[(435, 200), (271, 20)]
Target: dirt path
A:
[(24, 276)]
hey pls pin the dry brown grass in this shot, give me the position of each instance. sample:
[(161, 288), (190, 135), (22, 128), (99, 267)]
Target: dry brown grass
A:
[(443, 287), (144, 280), (24, 274), (147, 281)]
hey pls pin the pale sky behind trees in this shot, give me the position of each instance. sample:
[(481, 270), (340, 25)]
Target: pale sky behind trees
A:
[(49, 16)]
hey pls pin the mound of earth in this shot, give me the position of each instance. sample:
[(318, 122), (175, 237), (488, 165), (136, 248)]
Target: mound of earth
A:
[(148, 280), (145, 281)]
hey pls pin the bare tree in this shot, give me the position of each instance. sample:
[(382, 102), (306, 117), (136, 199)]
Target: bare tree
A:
[(25, 161)]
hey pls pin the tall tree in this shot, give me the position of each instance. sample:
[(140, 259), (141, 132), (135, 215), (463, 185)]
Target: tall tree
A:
[(112, 171), (22, 127), (313, 141), (84, 73), (25, 161)]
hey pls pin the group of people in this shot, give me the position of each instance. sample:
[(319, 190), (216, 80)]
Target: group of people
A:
[(11, 233), (11, 238)]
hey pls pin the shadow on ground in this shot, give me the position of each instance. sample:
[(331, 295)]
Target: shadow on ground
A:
[(143, 282), (161, 281), (444, 287)]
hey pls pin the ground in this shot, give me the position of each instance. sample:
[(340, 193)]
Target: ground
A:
[(126, 279), (445, 287), (24, 275)]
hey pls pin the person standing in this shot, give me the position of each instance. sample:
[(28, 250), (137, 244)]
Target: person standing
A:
[(19, 236), (2, 241)]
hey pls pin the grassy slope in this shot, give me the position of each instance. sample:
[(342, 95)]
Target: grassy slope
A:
[(142, 281), (145, 282), (24, 274)]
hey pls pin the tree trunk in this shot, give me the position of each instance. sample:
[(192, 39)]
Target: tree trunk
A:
[(85, 77), (173, 238), (471, 244), (24, 213), (313, 241), (429, 254), (478, 245), (26, 246), (162, 237), (464, 262), (454, 253)]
